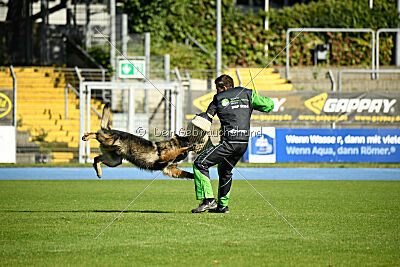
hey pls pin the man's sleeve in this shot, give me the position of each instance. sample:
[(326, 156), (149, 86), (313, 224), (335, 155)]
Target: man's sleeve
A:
[(261, 103), (212, 108)]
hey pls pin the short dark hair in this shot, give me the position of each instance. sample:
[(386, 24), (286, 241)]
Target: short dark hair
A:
[(224, 80)]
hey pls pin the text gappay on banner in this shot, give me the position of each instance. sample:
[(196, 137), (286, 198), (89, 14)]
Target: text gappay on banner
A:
[(343, 107)]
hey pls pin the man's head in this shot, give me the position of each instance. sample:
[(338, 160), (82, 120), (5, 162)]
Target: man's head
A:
[(223, 83)]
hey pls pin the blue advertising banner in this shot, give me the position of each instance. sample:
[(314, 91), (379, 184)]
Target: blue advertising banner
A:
[(337, 145), (261, 146)]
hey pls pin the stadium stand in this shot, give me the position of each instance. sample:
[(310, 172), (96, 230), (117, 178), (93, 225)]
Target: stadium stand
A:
[(41, 110), (268, 79)]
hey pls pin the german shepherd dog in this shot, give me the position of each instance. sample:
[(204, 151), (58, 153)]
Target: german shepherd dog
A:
[(117, 145)]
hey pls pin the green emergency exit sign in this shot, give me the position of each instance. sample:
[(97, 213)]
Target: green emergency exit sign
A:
[(132, 69)]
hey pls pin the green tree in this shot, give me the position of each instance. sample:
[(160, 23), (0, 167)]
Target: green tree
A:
[(170, 21)]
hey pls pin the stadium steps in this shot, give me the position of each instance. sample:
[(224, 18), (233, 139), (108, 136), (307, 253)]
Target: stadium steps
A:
[(61, 157), (41, 109), (267, 79), (6, 80)]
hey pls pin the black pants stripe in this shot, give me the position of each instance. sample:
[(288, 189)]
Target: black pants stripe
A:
[(226, 155)]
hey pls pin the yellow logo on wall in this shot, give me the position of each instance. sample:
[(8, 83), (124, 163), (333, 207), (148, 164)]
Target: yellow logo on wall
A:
[(5, 105), (316, 103), (203, 101)]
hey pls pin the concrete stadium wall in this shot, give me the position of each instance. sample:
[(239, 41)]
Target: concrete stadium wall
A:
[(316, 78)]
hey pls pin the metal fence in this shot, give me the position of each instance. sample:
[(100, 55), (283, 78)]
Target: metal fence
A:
[(378, 32), (48, 111), (128, 119), (320, 30)]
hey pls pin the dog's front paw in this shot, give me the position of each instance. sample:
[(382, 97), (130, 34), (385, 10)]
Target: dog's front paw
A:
[(85, 137), (194, 146), (197, 148), (88, 136)]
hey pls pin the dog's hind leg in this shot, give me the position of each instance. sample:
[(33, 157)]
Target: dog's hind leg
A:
[(109, 159), (174, 172), (96, 166), (88, 136)]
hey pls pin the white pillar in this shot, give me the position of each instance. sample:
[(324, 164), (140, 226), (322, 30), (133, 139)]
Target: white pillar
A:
[(218, 44), (266, 9), (124, 35), (266, 24), (179, 108), (112, 36), (147, 62), (131, 110), (82, 112), (167, 92), (88, 104)]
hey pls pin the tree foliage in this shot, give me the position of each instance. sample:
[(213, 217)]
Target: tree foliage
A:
[(337, 14), (171, 21)]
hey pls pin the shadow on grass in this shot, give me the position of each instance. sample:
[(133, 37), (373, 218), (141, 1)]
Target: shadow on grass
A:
[(85, 211)]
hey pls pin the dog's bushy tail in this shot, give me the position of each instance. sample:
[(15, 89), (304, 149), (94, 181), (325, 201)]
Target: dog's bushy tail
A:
[(105, 119)]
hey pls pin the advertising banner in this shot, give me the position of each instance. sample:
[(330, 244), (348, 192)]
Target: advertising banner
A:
[(6, 107), (320, 107), (261, 146), (7, 129), (337, 145), (7, 144)]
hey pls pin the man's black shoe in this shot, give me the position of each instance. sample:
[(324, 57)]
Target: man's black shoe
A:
[(207, 204), (220, 209)]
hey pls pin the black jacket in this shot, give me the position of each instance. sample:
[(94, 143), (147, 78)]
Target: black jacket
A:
[(234, 107)]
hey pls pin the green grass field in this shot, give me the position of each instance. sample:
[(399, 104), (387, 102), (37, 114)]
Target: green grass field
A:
[(55, 222)]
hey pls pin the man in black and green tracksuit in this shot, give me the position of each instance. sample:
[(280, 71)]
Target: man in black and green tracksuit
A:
[(234, 106)]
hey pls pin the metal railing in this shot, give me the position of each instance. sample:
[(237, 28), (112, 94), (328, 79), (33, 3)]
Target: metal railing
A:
[(238, 76), (85, 54), (14, 96), (189, 92), (332, 78), (362, 71), (367, 30), (66, 98), (70, 87), (94, 74), (377, 44)]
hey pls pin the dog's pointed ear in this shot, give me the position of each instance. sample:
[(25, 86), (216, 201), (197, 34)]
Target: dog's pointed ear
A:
[(177, 137), (182, 138)]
